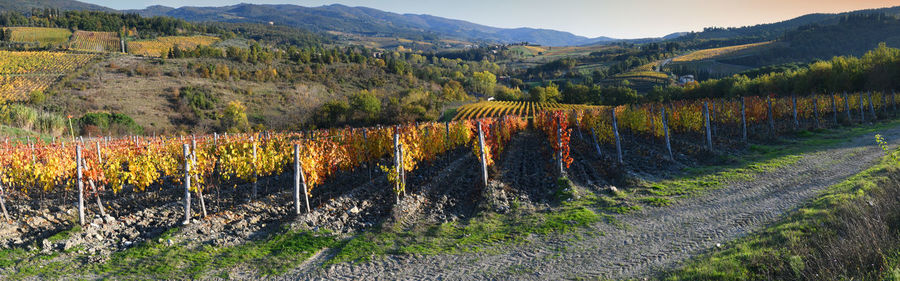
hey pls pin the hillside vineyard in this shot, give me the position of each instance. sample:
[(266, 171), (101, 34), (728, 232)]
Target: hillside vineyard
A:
[(32, 170)]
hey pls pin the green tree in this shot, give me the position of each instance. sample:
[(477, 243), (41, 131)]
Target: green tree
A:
[(483, 82), (235, 118), (453, 91), (365, 105), (507, 94), (332, 113)]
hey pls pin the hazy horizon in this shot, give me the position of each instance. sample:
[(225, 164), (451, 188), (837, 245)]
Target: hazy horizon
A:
[(617, 19)]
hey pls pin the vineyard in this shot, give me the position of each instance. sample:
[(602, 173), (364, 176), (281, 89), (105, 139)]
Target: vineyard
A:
[(160, 46), (135, 188), (715, 52), (487, 109), (95, 41), (41, 35), (24, 72)]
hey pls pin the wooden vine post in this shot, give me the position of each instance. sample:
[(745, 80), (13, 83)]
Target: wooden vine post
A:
[(596, 145), (847, 107), (665, 125), (397, 163), (187, 184), (2, 201), (484, 170), (196, 176), (834, 110), (744, 119), (402, 170), (93, 186), (816, 109), (559, 160), (771, 117), (884, 102), (862, 111), (618, 139), (893, 102), (794, 109), (872, 106), (706, 120), (255, 172), (78, 168), (299, 180), (712, 118)]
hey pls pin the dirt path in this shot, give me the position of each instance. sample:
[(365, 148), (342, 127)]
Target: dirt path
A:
[(654, 239)]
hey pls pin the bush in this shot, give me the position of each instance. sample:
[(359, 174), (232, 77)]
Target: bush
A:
[(117, 123), (235, 118), (22, 116), (37, 97)]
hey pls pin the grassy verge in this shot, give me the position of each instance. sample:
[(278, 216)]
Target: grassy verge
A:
[(849, 232), (20, 134), (158, 259)]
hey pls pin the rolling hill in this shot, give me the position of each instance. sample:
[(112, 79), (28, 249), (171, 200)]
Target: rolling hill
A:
[(26, 6), (370, 22)]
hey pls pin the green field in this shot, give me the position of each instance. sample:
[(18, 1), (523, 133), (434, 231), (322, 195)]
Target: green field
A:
[(41, 35)]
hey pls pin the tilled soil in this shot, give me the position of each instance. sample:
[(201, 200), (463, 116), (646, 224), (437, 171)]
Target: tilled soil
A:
[(651, 240)]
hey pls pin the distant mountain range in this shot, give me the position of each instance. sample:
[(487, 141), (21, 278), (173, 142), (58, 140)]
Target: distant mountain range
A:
[(27, 5), (373, 22)]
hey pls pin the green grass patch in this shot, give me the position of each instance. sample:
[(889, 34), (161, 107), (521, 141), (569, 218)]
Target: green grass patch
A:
[(65, 234), (156, 259)]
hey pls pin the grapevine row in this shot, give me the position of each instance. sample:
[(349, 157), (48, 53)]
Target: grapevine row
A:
[(137, 163)]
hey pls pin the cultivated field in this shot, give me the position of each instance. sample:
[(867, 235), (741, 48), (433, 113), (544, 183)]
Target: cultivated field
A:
[(24, 72), (96, 41), (160, 46), (41, 35)]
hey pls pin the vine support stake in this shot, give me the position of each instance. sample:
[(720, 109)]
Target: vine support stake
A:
[(298, 178), (816, 109), (708, 132), (794, 109), (402, 171), (80, 183), (771, 118), (893, 101), (255, 172), (397, 163), (744, 119), (187, 184), (484, 170), (862, 110), (665, 124), (872, 106), (847, 107), (559, 160), (99, 155), (596, 145), (834, 109), (3, 203), (618, 139), (196, 176)]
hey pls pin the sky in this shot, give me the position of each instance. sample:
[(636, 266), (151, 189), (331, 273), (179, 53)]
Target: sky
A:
[(624, 19)]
